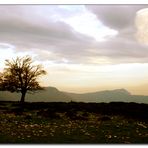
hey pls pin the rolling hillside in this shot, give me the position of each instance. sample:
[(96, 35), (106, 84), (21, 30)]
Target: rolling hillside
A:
[(117, 95), (52, 94)]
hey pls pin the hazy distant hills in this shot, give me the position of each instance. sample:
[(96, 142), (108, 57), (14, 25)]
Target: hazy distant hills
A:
[(103, 96), (52, 94), (109, 96)]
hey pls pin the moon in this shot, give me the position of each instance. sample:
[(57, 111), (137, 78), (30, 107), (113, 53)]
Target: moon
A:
[(141, 22)]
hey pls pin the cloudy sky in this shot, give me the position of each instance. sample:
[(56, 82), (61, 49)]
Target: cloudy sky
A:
[(83, 48)]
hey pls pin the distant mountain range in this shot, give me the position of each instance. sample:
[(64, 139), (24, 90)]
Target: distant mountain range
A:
[(116, 95), (52, 94)]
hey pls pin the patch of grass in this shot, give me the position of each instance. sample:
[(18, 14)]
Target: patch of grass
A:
[(97, 128)]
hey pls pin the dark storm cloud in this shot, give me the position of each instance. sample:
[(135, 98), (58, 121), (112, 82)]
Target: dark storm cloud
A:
[(116, 16), (124, 46)]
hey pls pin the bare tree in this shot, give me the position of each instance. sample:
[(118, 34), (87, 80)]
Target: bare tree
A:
[(20, 75)]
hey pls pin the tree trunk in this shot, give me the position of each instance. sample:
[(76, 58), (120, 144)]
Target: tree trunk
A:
[(22, 101), (23, 97)]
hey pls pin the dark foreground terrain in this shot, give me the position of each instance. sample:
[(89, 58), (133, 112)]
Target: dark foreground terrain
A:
[(74, 123)]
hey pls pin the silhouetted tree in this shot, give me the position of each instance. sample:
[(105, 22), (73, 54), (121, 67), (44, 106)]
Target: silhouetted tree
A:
[(20, 75)]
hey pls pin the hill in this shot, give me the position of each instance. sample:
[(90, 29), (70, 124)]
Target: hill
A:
[(73, 123), (117, 95), (52, 94), (49, 94)]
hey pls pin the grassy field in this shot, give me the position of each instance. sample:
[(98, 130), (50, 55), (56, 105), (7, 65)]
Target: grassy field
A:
[(69, 123)]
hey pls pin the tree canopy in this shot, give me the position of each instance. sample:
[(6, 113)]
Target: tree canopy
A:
[(20, 75)]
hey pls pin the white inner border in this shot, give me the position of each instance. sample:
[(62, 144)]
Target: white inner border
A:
[(73, 1)]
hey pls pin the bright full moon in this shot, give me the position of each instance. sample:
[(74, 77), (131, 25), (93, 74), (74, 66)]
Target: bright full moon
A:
[(142, 25)]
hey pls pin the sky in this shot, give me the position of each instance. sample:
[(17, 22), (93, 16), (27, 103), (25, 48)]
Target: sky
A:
[(83, 48)]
